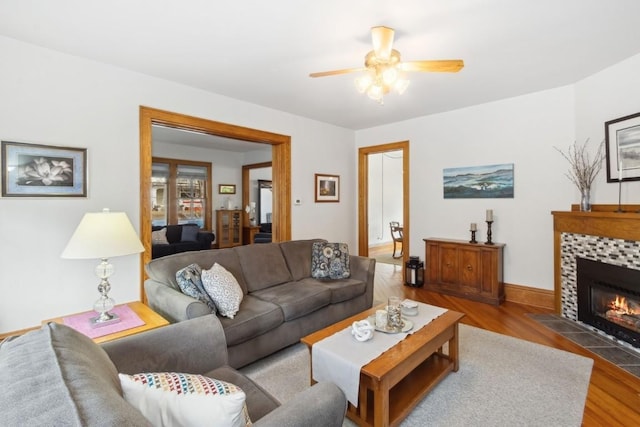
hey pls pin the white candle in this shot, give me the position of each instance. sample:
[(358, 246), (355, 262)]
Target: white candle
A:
[(474, 226), (620, 170), (489, 214)]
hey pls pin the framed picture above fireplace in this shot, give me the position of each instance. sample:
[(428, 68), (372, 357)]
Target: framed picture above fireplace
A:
[(622, 145)]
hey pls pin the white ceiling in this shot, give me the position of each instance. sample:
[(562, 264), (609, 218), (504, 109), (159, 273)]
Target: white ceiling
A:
[(263, 51)]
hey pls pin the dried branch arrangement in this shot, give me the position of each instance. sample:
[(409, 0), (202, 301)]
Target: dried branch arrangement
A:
[(583, 169)]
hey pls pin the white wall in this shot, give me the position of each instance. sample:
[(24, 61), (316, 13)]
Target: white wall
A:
[(56, 99), (385, 195), (522, 131)]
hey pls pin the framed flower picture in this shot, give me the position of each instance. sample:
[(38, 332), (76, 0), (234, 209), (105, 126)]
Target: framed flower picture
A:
[(33, 170)]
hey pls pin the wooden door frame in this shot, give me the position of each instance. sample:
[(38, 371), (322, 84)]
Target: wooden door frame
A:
[(246, 182), (363, 194), (280, 158)]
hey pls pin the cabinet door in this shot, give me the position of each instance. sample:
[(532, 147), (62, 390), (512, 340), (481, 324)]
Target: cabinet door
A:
[(224, 226), (433, 262), (490, 279), (448, 264), (470, 269), (236, 233)]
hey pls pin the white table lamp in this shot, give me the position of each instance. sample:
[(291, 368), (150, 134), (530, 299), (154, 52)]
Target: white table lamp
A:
[(103, 235)]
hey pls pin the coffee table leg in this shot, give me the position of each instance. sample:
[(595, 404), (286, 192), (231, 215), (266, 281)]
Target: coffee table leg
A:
[(453, 348), (380, 405)]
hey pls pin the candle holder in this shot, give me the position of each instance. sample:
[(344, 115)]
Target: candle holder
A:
[(473, 237), (489, 242)]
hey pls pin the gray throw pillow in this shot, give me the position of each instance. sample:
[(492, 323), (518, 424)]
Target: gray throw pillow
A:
[(189, 279), (189, 233), (330, 261)]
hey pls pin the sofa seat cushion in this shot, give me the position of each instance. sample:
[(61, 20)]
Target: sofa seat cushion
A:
[(259, 401), (254, 318), (59, 377), (296, 299), (341, 289)]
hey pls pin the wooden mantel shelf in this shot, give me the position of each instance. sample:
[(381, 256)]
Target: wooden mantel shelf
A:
[(603, 220)]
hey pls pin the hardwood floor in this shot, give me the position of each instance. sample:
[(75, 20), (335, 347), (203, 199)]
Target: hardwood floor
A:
[(614, 394)]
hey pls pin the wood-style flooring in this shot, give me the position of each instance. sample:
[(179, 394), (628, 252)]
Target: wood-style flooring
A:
[(614, 394)]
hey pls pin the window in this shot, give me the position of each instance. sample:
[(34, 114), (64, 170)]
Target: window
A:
[(180, 192)]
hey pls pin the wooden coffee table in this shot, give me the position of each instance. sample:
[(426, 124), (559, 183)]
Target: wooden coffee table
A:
[(393, 384)]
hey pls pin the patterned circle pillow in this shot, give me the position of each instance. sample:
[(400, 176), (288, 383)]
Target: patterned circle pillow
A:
[(159, 237), (224, 290), (175, 399), (189, 280), (330, 261)]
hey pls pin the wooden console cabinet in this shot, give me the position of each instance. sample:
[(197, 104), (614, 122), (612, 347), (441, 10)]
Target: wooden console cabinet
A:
[(468, 270), (228, 228)]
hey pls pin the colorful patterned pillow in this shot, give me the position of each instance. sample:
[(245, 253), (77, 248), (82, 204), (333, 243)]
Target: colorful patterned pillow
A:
[(330, 260), (175, 399), (190, 281), (224, 290), (159, 237)]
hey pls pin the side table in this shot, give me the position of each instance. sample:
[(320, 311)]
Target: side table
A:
[(150, 318)]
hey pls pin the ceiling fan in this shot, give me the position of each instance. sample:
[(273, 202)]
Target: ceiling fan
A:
[(385, 71)]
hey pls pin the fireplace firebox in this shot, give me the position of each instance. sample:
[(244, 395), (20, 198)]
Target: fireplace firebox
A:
[(609, 299)]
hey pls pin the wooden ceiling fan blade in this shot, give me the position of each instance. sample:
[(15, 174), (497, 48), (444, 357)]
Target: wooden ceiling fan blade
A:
[(336, 72), (441, 66), (382, 38)]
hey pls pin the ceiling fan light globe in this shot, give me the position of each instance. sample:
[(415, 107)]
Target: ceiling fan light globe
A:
[(363, 83), (375, 92), (389, 76)]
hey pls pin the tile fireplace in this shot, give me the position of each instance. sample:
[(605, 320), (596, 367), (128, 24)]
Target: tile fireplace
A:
[(609, 299), (597, 270)]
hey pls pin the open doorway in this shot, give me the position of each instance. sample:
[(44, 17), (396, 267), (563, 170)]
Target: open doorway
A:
[(383, 182)]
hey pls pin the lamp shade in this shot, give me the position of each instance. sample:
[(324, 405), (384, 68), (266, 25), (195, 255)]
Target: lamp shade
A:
[(103, 235)]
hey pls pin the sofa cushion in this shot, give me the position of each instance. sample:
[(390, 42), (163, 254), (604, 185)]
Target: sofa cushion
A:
[(255, 318), (190, 281), (296, 254), (159, 237), (330, 260), (341, 289), (296, 299), (164, 270), (60, 377), (263, 265), (223, 289), (189, 233), (177, 399)]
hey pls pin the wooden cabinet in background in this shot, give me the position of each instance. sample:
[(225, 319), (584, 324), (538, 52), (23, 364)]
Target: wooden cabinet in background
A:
[(248, 233), (228, 228), (469, 270)]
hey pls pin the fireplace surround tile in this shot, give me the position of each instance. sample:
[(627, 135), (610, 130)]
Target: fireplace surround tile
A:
[(620, 354)]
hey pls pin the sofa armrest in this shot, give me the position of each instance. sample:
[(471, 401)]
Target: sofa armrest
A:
[(194, 346), (205, 238), (322, 405), (363, 268), (171, 304)]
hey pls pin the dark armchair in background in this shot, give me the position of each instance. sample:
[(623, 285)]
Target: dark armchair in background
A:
[(264, 235), (172, 239)]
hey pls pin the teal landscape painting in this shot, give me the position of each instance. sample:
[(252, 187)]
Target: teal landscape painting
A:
[(479, 182)]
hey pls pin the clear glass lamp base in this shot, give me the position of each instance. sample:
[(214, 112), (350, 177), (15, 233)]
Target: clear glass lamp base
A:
[(102, 307)]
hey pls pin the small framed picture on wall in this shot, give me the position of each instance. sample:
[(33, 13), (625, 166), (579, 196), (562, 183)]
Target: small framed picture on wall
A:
[(327, 188)]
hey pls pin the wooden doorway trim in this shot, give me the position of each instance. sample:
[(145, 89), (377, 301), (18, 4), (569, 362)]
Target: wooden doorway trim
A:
[(363, 194), (280, 159)]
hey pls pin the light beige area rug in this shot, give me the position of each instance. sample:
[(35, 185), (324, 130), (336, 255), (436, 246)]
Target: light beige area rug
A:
[(501, 381)]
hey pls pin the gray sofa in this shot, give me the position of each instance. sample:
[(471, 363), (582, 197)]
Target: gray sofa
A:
[(56, 376), (281, 303)]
